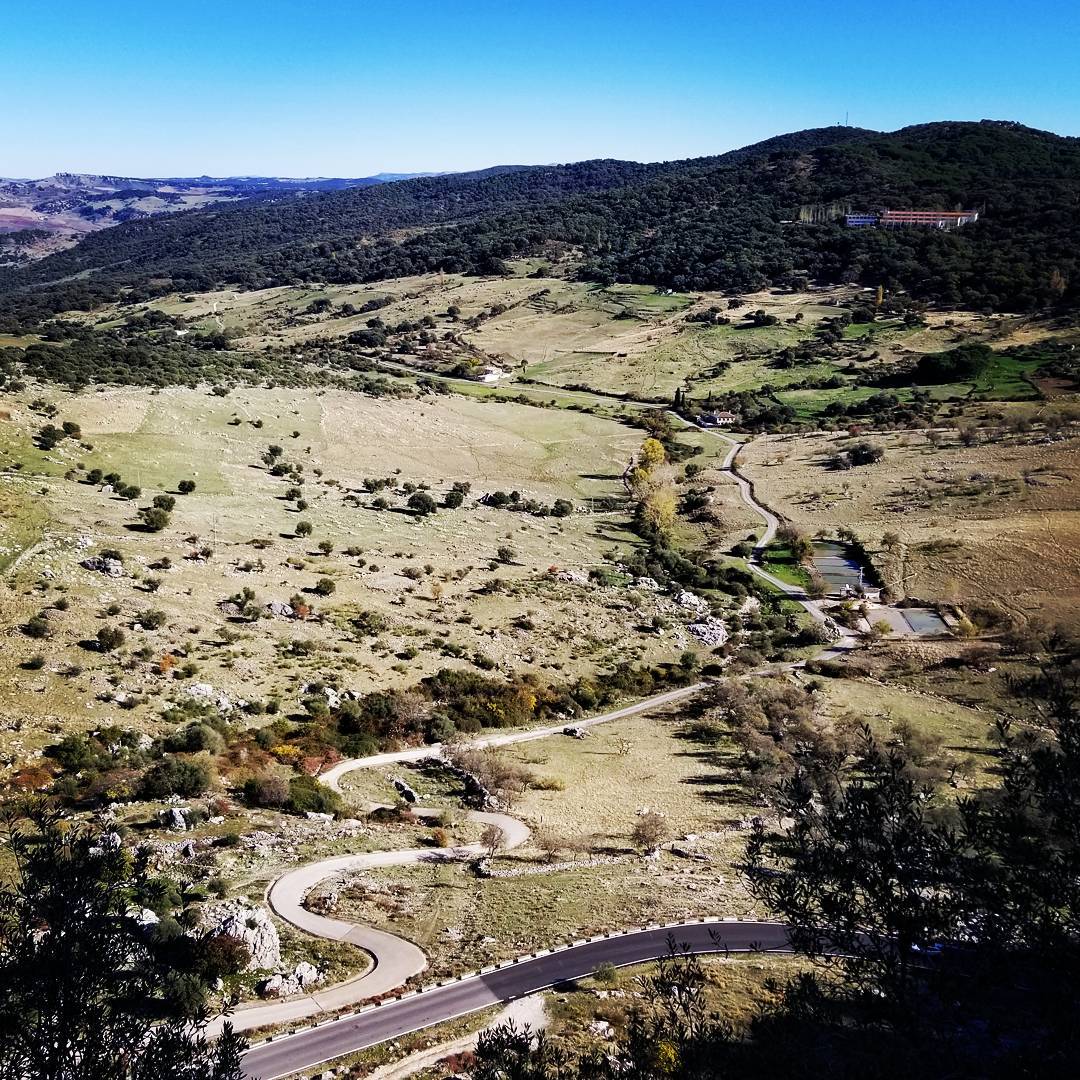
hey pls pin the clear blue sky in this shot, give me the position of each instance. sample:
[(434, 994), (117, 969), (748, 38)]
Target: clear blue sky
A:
[(352, 87)]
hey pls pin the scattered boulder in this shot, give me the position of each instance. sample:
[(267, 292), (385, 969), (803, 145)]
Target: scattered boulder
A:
[(108, 841), (575, 732), (303, 976), (281, 609), (270, 988), (113, 568), (306, 974), (749, 605), (208, 695), (476, 794), (333, 697), (572, 577), (692, 601), (689, 853), (175, 818)]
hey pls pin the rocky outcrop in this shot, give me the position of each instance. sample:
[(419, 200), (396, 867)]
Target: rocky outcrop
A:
[(404, 790), (208, 695), (251, 925), (110, 567), (175, 818), (476, 794), (709, 631), (301, 978)]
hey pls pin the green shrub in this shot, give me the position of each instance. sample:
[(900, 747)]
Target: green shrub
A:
[(306, 795), (172, 776)]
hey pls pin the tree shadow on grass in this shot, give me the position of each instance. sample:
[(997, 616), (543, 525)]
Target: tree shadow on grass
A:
[(721, 789)]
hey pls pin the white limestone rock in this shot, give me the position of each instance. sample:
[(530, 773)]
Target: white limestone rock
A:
[(249, 924)]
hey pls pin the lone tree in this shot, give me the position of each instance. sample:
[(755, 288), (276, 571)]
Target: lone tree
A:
[(186, 487), (422, 504), (650, 831), (154, 518), (493, 840), (110, 638), (87, 991), (303, 528)]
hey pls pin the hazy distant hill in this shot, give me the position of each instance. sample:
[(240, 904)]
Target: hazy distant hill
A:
[(54, 212), (763, 215)]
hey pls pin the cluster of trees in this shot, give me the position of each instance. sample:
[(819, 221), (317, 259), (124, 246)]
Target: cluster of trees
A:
[(102, 358), (862, 452), (434, 710), (758, 410), (642, 223), (117, 763), (298, 794), (87, 357), (49, 436), (776, 732), (651, 483), (515, 501), (884, 410)]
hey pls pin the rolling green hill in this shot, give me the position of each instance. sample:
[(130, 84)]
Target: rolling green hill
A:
[(740, 221)]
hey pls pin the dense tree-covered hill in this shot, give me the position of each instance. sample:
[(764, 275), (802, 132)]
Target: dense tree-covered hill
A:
[(763, 215)]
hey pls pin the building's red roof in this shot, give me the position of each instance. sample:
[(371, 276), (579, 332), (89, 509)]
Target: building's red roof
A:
[(886, 214)]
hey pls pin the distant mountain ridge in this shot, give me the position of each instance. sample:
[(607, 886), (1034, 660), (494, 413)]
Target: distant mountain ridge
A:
[(728, 222), (53, 212)]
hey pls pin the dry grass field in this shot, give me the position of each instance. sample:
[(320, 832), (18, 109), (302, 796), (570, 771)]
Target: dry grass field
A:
[(430, 592), (622, 768), (994, 524)]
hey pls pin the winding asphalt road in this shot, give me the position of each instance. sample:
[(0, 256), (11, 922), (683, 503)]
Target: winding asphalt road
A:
[(395, 960), (324, 1042)]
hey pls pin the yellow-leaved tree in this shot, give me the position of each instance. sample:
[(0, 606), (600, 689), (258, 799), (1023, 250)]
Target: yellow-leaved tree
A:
[(658, 508), (651, 454)]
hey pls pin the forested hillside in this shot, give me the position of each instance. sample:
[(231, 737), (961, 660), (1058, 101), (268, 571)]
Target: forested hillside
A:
[(729, 222)]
